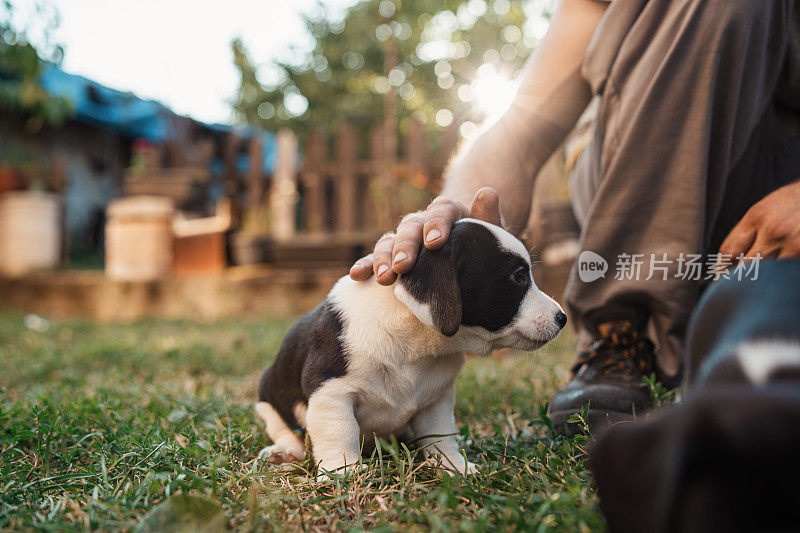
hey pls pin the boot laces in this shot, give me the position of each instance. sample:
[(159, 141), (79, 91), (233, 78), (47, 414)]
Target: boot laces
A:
[(621, 350)]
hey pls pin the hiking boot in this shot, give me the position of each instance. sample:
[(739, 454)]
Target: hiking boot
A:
[(608, 375)]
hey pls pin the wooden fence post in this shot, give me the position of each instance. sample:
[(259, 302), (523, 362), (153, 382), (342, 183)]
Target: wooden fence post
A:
[(229, 153), (346, 183), (381, 186), (255, 171), (314, 181), (283, 197), (377, 148), (416, 149)]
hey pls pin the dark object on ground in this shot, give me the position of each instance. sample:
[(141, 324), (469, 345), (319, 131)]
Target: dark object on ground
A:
[(726, 460), (608, 375)]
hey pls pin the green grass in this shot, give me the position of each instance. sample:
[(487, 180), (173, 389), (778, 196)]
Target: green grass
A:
[(100, 423)]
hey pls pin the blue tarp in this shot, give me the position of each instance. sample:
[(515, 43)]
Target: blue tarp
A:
[(269, 152), (124, 112), (107, 108)]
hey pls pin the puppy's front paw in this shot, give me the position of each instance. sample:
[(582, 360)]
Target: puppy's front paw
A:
[(454, 466), (278, 454), (461, 468)]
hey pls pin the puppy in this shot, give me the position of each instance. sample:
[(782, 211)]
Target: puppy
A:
[(375, 360)]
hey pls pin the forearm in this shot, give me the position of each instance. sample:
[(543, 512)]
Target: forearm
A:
[(552, 94)]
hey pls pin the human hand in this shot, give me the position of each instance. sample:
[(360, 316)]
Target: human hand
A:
[(395, 253), (770, 228)]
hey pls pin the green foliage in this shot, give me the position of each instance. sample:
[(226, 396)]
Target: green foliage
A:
[(29, 167), (21, 63), (660, 395), (99, 424), (435, 46)]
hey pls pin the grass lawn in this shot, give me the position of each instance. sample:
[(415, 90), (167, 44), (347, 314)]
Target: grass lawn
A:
[(100, 423)]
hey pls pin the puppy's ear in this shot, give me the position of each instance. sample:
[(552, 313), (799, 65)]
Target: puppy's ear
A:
[(431, 289)]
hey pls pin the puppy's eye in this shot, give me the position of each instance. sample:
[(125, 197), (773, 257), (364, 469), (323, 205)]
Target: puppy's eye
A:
[(520, 276)]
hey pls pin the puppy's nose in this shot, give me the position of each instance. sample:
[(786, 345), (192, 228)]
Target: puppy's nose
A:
[(561, 319)]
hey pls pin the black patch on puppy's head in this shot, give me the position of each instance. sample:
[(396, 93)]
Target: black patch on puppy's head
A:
[(472, 280), (433, 282)]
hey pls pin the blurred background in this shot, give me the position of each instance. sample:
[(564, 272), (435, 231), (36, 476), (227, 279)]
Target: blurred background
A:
[(184, 159)]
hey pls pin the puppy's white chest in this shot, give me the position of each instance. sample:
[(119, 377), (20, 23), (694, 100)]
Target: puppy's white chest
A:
[(388, 396)]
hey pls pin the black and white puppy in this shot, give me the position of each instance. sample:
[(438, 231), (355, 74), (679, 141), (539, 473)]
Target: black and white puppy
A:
[(383, 360)]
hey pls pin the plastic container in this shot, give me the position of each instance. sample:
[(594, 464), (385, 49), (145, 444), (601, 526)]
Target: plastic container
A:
[(30, 236), (139, 238)]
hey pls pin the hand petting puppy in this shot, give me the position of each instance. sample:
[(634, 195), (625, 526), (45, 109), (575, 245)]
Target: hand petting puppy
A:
[(396, 253)]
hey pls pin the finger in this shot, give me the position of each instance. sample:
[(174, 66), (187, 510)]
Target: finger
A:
[(739, 240), (382, 260), (407, 242), (362, 269), (762, 248), (791, 251), (439, 219), (486, 206)]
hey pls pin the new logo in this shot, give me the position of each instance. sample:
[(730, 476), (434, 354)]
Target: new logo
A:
[(591, 266)]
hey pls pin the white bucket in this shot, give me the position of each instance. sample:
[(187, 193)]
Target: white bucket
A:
[(29, 232)]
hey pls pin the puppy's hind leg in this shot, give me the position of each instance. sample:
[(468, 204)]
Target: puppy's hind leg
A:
[(287, 445)]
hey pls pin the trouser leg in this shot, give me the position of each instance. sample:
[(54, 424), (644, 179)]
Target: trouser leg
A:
[(689, 135)]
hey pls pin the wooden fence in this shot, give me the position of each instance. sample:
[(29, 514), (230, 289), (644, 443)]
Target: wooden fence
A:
[(341, 189)]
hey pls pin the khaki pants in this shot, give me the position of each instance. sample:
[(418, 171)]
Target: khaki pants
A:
[(699, 119)]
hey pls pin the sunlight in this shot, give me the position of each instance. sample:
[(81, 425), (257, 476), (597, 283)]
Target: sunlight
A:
[(492, 91)]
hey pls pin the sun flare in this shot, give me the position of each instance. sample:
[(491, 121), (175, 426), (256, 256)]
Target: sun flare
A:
[(493, 92)]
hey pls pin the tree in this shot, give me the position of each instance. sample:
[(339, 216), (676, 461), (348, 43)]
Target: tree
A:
[(22, 61), (424, 58)]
